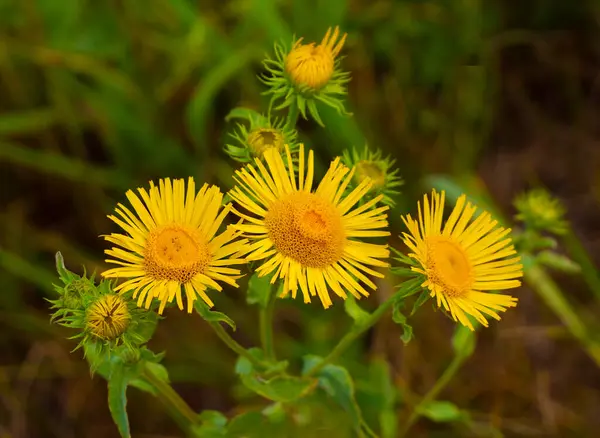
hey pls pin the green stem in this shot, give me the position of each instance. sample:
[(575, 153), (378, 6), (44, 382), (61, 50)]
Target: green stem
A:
[(439, 385), (404, 291), (233, 344), (266, 325), (292, 117), (580, 256), (178, 408), (540, 281)]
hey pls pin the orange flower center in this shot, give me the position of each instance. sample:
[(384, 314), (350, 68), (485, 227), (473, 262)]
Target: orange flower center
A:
[(448, 266), (306, 228), (176, 253)]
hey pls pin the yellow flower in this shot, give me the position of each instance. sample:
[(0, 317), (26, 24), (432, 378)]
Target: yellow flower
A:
[(306, 237), (460, 262), (312, 65), (108, 317), (300, 76), (172, 242)]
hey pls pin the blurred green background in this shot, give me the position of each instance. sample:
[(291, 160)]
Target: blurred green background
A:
[(97, 97)]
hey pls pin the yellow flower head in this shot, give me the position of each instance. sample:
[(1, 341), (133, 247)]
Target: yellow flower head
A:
[(308, 237), (460, 261), (172, 243), (300, 76), (108, 317), (313, 65)]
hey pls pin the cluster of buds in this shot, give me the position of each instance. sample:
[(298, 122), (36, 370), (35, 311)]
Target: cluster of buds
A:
[(107, 322)]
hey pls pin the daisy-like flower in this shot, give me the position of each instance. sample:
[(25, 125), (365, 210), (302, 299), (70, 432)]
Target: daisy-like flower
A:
[(307, 73), (371, 164), (460, 262), (172, 244), (309, 238), (262, 134)]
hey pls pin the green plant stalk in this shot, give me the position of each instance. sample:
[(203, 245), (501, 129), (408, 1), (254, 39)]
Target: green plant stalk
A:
[(540, 281), (590, 274), (432, 394), (266, 325), (358, 330), (292, 117), (234, 345), (181, 412)]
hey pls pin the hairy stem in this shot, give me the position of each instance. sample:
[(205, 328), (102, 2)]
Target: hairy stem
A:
[(266, 325)]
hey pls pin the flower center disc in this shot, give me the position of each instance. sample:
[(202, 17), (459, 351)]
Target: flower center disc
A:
[(307, 229), (175, 253), (448, 266), (368, 169), (310, 65), (108, 317)]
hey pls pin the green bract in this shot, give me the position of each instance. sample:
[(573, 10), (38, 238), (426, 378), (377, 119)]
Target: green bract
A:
[(373, 165), (300, 97), (259, 134)]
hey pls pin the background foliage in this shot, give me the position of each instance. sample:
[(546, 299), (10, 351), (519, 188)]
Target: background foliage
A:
[(98, 97)]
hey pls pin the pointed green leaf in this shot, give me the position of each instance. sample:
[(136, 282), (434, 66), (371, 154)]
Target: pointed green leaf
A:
[(337, 383), (279, 388), (357, 313), (212, 425), (441, 411), (558, 262), (252, 425), (212, 316), (259, 289), (399, 318), (424, 296), (117, 399), (244, 114)]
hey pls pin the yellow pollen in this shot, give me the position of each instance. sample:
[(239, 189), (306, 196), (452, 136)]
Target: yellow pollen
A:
[(369, 169), (448, 266), (262, 139), (306, 228), (176, 253), (109, 317)]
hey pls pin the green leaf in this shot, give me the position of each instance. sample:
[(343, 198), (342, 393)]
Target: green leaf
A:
[(357, 313), (337, 383), (463, 341), (399, 318), (158, 370), (26, 122), (244, 114), (251, 425), (117, 399), (259, 289), (423, 297), (213, 425), (558, 262), (211, 316), (441, 411), (279, 388), (64, 274)]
